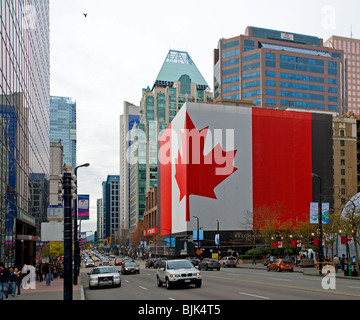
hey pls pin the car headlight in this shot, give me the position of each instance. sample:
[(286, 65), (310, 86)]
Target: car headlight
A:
[(174, 275), (197, 274)]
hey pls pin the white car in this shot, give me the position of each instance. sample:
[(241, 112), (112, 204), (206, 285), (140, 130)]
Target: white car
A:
[(104, 276), (172, 272)]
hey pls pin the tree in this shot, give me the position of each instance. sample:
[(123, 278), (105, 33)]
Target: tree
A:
[(350, 222)]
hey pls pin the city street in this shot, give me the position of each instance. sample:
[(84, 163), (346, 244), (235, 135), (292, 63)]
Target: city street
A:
[(227, 284)]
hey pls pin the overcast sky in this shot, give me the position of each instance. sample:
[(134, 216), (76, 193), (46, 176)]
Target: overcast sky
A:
[(108, 57)]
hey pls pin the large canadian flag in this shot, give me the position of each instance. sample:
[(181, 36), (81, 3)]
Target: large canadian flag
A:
[(221, 162)]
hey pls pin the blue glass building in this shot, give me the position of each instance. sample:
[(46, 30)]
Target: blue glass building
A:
[(63, 127), (24, 127)]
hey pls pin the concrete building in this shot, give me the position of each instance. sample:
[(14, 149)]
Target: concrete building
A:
[(56, 168), (281, 70)]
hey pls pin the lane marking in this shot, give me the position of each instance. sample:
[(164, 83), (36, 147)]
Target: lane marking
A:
[(284, 286), (280, 279), (143, 288), (253, 295), (171, 298)]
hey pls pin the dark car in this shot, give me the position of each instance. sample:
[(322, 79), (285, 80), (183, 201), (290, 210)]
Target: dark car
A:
[(157, 262), (150, 263), (209, 263), (130, 267), (194, 261)]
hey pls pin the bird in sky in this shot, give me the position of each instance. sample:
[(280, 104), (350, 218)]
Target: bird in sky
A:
[(85, 14)]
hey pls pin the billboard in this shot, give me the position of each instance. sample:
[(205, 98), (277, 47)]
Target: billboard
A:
[(83, 207), (228, 163)]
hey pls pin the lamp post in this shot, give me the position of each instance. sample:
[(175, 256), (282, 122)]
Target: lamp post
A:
[(76, 238), (218, 232), (319, 218), (198, 231)]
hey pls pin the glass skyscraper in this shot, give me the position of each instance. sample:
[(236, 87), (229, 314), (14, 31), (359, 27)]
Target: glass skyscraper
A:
[(63, 127), (24, 127), (178, 81), (280, 69)]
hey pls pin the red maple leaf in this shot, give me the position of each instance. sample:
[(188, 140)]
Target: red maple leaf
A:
[(196, 173)]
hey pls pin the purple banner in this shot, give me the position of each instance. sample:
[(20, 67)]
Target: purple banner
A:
[(83, 207)]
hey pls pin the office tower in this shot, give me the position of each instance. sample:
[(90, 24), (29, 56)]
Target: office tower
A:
[(111, 205), (282, 70), (351, 48), (130, 116), (63, 127), (24, 127), (178, 81), (99, 220)]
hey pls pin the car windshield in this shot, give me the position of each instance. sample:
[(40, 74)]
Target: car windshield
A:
[(104, 270), (179, 265), (130, 264), (213, 260)]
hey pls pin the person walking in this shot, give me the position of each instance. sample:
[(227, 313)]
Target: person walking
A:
[(4, 281), (16, 281), (47, 271)]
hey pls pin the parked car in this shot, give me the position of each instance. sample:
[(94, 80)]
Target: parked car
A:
[(228, 262), (173, 272), (130, 267), (280, 265), (104, 276), (150, 263), (194, 261), (208, 263)]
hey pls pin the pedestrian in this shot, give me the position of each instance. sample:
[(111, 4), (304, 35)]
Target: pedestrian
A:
[(336, 261), (47, 271), (342, 262), (16, 281), (4, 281)]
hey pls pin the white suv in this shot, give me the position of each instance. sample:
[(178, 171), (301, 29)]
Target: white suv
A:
[(173, 272)]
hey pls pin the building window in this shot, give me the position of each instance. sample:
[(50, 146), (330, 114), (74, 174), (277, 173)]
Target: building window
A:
[(342, 172), (342, 153), (342, 133), (342, 182), (342, 162)]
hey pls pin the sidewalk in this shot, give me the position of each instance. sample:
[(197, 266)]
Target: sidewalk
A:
[(309, 271), (52, 292)]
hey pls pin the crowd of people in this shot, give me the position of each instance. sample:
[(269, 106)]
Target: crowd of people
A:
[(11, 279)]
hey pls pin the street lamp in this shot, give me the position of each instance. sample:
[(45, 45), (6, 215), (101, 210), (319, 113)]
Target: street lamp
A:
[(76, 239), (314, 175)]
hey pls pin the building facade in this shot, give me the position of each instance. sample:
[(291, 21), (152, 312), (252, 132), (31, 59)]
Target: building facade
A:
[(63, 127), (24, 127), (280, 70), (111, 207), (178, 81), (345, 135), (351, 48), (130, 116)]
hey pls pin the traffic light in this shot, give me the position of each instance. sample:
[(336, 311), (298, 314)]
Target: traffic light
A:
[(108, 241)]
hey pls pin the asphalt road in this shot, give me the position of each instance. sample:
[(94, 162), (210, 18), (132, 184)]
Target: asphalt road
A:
[(228, 284)]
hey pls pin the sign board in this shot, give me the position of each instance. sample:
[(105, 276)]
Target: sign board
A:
[(55, 212), (52, 231), (287, 36), (201, 235)]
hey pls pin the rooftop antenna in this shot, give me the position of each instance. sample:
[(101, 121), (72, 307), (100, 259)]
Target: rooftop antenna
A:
[(351, 31)]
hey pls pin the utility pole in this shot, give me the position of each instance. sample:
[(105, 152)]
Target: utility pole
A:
[(67, 186)]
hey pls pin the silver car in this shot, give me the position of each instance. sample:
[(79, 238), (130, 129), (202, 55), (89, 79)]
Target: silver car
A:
[(104, 276), (174, 272)]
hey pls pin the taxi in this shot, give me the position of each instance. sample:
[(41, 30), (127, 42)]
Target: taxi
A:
[(280, 265)]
